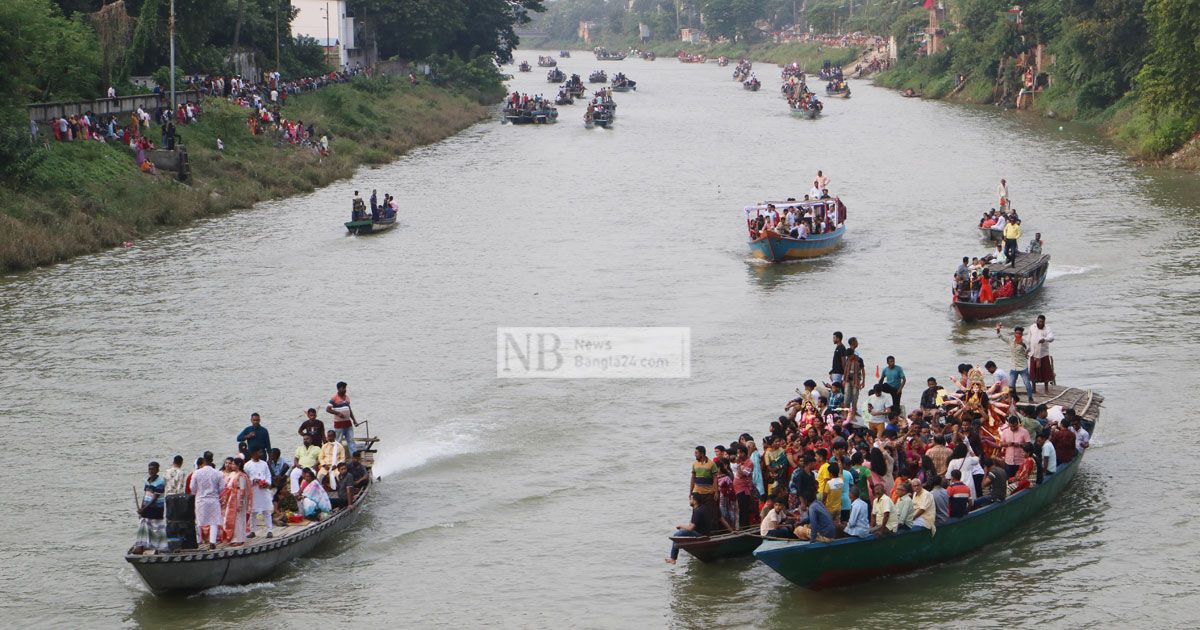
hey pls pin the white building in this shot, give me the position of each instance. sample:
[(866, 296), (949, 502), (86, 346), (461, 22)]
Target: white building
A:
[(326, 21)]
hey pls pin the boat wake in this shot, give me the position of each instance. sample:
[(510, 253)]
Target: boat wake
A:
[(233, 591), (421, 452), (1069, 270)]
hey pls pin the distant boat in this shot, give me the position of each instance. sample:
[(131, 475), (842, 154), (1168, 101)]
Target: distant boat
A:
[(751, 85), (598, 76), (1028, 275), (547, 61), (525, 67), (622, 83), (842, 92), (810, 113), (564, 53), (770, 246), (367, 226), (556, 76), (603, 54)]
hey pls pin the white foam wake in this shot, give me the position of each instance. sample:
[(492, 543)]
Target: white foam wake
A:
[(228, 591), (400, 456), (1068, 270)]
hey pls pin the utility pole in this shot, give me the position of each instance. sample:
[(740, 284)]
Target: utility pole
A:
[(327, 35), (171, 23), (277, 35)]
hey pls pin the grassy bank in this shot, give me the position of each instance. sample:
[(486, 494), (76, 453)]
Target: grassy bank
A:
[(810, 56), (86, 196)]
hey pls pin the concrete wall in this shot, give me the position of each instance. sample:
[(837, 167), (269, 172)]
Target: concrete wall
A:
[(121, 105)]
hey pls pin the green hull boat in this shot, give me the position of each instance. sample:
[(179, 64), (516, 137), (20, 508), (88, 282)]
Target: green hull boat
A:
[(367, 226), (849, 560)]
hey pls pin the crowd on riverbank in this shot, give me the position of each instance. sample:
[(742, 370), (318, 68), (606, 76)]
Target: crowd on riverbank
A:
[(831, 467), (326, 473)]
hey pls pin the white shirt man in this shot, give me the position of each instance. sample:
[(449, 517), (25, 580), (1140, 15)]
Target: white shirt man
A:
[(880, 405), (814, 192), (259, 473), (1037, 349), (1049, 457), (112, 92), (772, 520), (1082, 438), (206, 485)]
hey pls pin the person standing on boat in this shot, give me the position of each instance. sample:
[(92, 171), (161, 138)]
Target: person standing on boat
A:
[(854, 378), (235, 503), (704, 475), (822, 181), (207, 483), (1002, 192), (838, 370), (254, 437), (344, 420), (313, 428), (1019, 351), (1012, 232), (152, 528), (260, 479), (332, 454), (1041, 364), (1035, 246), (892, 381)]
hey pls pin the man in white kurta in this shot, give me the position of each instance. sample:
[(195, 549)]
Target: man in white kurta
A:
[(332, 454), (206, 484), (260, 492)]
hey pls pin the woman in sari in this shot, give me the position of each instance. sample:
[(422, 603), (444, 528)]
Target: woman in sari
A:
[(235, 504), (727, 498), (313, 498)]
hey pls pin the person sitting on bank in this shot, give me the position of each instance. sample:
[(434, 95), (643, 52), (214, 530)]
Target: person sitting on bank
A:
[(815, 524), (705, 520), (152, 528)]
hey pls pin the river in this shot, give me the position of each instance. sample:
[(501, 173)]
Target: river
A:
[(531, 503)]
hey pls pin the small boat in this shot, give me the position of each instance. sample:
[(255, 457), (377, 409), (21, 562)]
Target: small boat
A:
[(604, 54), (556, 76), (1028, 275), (564, 98), (648, 55), (622, 83), (541, 115), (849, 560), (367, 226), (839, 92), (191, 570), (992, 234), (751, 85), (576, 90), (598, 76), (722, 61), (716, 547), (565, 54), (809, 113), (772, 247), (547, 61), (525, 67), (686, 58), (603, 118)]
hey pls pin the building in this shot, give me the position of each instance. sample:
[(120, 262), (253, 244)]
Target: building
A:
[(329, 22)]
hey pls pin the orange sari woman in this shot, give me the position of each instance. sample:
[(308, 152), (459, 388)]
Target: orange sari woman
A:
[(235, 504)]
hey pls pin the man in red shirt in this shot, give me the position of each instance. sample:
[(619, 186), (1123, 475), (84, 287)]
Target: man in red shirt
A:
[(1063, 440), (960, 495), (344, 420)]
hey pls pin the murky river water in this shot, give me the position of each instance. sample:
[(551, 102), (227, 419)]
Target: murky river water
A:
[(538, 503)]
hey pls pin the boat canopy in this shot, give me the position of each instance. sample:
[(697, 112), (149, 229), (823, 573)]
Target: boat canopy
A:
[(814, 204)]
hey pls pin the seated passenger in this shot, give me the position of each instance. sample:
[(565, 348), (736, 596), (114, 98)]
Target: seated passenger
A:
[(960, 495), (313, 500), (816, 524)]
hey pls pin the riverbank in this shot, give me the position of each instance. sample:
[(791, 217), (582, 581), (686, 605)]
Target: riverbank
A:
[(84, 197), (809, 55)]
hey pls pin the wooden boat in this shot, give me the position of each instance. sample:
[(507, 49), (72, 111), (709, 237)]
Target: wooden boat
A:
[(191, 570), (598, 76), (772, 247), (809, 113), (648, 55), (729, 544), (992, 234), (1028, 274), (849, 560), (547, 61), (525, 67), (842, 93), (564, 99), (623, 84), (686, 58), (603, 54), (367, 226), (564, 54), (722, 61), (603, 119), (556, 76), (751, 85)]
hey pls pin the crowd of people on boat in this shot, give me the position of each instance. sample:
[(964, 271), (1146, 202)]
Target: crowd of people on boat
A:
[(225, 500), (798, 218), (518, 103), (830, 72), (741, 72), (379, 211), (830, 467)]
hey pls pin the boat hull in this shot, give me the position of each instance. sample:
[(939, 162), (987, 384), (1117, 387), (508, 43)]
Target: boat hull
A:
[(806, 113), (846, 561), (720, 547), (779, 249), (992, 234), (190, 572), (970, 311), (370, 227)]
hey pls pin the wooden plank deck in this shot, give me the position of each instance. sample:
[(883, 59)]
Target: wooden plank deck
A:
[(1026, 263), (1085, 402)]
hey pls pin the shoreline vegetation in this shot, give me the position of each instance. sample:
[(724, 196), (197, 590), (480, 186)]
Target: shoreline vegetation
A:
[(87, 196)]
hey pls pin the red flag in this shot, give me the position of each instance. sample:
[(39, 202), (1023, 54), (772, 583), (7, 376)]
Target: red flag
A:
[(876, 370), (929, 4)]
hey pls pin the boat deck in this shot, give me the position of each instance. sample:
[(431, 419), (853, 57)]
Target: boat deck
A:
[(1085, 402), (1025, 265)]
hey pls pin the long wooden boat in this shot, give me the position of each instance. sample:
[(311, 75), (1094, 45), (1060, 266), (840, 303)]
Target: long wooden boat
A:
[(751, 85), (729, 544), (849, 560), (367, 226), (843, 93), (774, 248), (193, 570), (1029, 275)]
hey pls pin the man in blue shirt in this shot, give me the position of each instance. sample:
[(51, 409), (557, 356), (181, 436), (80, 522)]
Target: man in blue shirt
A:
[(858, 525), (892, 381), (816, 525), (254, 437)]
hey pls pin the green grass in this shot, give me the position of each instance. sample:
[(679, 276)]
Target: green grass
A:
[(86, 196)]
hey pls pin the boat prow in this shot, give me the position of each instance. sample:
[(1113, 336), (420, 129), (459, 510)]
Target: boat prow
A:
[(729, 544)]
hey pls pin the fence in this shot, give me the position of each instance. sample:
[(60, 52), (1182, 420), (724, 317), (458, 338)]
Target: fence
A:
[(105, 106)]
